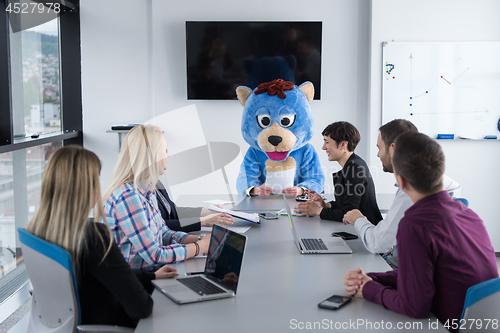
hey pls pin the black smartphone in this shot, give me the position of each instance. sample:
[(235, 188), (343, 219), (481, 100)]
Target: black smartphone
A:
[(268, 216), (334, 302), (302, 198), (344, 235)]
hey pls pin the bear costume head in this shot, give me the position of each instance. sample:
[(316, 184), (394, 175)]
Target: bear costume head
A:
[(277, 117), (277, 124)]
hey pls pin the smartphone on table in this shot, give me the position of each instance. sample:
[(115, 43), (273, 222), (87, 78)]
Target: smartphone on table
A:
[(335, 302), (344, 235), (268, 216)]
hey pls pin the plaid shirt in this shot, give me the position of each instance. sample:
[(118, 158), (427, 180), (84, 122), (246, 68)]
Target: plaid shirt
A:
[(139, 230)]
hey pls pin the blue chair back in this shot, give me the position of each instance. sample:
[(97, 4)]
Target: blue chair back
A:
[(55, 305), (482, 302), (464, 201)]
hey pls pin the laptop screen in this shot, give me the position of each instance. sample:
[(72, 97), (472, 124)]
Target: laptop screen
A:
[(225, 256), (290, 220)]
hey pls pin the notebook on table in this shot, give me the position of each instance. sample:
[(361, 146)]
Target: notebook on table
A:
[(313, 245), (250, 217), (221, 275)]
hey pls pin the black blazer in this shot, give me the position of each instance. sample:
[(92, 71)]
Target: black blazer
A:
[(353, 189), (110, 292), (173, 220)]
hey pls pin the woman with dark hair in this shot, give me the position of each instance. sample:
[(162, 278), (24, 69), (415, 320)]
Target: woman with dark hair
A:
[(353, 184)]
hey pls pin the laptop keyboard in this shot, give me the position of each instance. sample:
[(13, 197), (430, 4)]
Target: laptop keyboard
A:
[(314, 244), (201, 286)]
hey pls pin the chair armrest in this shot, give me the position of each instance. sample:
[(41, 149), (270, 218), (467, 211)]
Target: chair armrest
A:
[(103, 329)]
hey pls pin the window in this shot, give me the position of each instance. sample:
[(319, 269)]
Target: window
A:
[(21, 174), (35, 80), (40, 111)]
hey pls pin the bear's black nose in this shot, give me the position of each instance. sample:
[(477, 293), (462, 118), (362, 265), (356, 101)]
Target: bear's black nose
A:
[(274, 140)]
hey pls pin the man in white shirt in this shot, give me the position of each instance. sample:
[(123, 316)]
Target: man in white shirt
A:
[(381, 238)]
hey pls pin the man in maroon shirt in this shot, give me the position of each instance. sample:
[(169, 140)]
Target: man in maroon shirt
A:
[(443, 246)]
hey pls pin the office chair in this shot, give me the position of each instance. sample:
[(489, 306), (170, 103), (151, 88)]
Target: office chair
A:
[(464, 201), (55, 307), (481, 305)]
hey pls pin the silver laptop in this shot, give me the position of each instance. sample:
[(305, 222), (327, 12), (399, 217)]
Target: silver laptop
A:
[(316, 245), (222, 271)]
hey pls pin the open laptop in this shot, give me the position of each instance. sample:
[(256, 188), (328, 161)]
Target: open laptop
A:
[(316, 245), (222, 271)]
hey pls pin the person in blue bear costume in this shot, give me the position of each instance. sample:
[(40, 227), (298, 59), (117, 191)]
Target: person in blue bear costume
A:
[(277, 124)]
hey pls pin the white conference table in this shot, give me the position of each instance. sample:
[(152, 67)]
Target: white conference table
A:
[(280, 288), (274, 202)]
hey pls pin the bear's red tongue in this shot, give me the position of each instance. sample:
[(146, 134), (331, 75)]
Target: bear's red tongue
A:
[(277, 155)]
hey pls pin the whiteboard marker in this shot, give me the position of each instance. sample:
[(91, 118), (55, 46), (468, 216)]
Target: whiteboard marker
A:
[(446, 136)]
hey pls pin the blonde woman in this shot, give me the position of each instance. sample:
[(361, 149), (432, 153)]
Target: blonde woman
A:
[(110, 292), (132, 205)]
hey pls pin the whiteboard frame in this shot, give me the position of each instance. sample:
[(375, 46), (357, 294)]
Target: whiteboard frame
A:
[(383, 116)]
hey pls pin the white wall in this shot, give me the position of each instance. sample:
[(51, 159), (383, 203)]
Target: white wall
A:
[(115, 73), (473, 164)]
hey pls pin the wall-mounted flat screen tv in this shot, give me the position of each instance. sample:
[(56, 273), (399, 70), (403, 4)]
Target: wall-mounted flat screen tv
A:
[(224, 55)]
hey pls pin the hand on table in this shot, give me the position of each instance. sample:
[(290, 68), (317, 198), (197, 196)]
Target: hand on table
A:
[(315, 197), (308, 208), (293, 191), (205, 211), (166, 272), (262, 191), (351, 216), (217, 218), (354, 282)]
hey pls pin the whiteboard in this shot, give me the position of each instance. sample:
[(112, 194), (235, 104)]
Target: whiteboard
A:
[(443, 88)]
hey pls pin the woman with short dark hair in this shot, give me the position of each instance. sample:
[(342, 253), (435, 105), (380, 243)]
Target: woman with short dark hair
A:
[(353, 184)]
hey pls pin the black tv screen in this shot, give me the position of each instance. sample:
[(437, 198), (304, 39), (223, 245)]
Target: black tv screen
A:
[(224, 55)]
